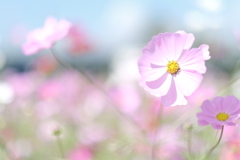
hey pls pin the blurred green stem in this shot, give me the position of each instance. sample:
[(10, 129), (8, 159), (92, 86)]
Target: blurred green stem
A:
[(155, 131), (190, 142), (215, 146), (59, 143)]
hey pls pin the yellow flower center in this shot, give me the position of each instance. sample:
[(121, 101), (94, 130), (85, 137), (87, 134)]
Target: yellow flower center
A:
[(222, 116), (173, 67)]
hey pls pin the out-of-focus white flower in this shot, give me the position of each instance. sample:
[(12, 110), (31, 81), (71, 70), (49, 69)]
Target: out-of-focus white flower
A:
[(20, 148), (6, 93), (123, 67)]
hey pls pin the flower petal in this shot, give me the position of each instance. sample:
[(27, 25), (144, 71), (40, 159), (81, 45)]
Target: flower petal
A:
[(202, 122), (152, 53), (231, 124), (158, 82), (150, 71), (188, 81), (171, 45), (171, 95), (187, 38), (162, 90), (193, 59), (216, 126)]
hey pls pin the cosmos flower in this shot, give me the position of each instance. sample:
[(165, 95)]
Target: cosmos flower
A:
[(170, 69), (81, 153), (221, 111), (44, 38)]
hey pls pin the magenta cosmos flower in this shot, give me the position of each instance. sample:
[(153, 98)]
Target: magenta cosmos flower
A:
[(170, 69), (221, 111), (44, 38)]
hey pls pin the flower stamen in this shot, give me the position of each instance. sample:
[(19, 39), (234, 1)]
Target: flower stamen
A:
[(222, 116), (173, 67)]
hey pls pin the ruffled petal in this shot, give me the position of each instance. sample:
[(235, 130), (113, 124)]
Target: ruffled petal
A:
[(193, 59), (152, 53), (187, 38), (171, 45)]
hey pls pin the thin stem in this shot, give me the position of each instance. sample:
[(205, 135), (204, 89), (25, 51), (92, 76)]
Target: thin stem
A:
[(215, 146), (102, 90), (190, 142), (155, 131), (59, 143)]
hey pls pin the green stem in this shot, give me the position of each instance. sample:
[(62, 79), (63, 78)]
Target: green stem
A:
[(190, 142), (59, 143), (215, 146), (155, 131)]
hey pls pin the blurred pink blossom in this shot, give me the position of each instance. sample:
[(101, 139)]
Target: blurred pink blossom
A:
[(44, 38), (16, 81), (231, 151), (78, 40), (203, 93), (170, 69), (127, 98), (46, 130), (81, 153), (49, 66), (92, 134)]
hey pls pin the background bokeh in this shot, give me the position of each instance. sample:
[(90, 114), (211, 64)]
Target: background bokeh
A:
[(39, 96)]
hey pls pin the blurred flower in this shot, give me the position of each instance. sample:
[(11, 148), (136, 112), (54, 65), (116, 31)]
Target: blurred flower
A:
[(231, 150), (202, 94), (16, 81), (6, 94), (49, 66), (78, 40), (127, 97), (44, 38), (81, 153), (92, 134), (47, 130), (221, 111), (50, 89), (20, 149), (123, 67), (170, 69)]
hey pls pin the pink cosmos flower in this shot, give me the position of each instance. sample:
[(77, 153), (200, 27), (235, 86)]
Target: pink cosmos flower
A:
[(44, 38), (221, 111), (170, 69), (81, 153)]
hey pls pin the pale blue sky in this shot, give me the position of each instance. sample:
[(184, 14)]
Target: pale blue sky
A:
[(104, 17)]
